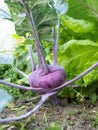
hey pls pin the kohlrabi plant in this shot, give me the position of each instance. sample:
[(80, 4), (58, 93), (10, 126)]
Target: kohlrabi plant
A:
[(46, 79)]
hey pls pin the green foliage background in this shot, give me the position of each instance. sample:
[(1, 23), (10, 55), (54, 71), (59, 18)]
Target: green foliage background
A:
[(78, 43)]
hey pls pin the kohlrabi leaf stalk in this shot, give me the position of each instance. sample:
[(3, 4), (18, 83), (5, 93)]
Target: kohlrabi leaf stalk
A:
[(41, 58), (55, 42)]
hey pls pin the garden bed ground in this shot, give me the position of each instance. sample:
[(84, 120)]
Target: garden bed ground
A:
[(81, 116)]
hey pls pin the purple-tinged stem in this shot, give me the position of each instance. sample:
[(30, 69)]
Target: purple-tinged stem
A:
[(55, 44), (24, 116), (22, 73), (76, 78), (14, 85), (32, 99), (38, 45), (22, 87), (32, 59)]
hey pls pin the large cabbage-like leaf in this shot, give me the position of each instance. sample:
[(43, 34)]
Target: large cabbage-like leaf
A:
[(81, 21), (44, 16), (77, 25), (83, 9), (78, 55)]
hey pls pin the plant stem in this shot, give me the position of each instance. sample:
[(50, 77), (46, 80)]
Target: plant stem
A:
[(24, 116), (14, 85), (21, 87), (77, 77), (55, 44), (32, 99), (31, 57), (22, 73), (41, 57)]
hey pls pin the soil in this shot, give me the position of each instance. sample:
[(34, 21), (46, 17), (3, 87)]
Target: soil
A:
[(80, 116)]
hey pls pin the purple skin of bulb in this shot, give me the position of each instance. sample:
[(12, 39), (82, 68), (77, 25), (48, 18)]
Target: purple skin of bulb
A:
[(55, 78)]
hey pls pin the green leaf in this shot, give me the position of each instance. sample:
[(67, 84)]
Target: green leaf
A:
[(92, 6), (83, 9), (44, 16), (78, 55), (92, 76), (76, 25), (79, 17)]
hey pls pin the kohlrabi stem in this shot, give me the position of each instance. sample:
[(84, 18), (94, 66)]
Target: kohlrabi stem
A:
[(20, 86), (31, 57), (77, 77), (14, 85), (24, 116), (41, 57), (34, 99), (53, 46), (22, 73), (55, 43)]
